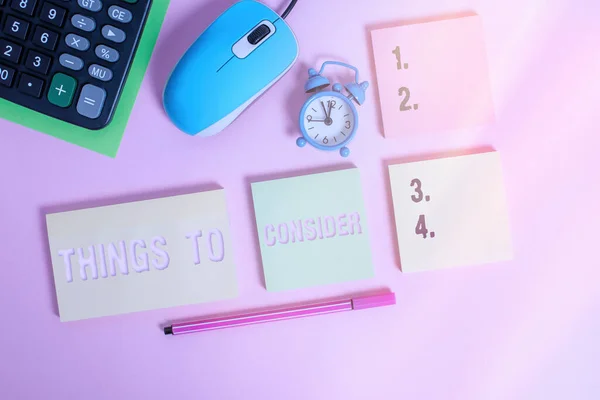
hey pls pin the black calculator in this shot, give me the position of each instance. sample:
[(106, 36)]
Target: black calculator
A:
[(69, 59)]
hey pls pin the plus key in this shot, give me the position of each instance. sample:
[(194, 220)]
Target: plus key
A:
[(62, 90)]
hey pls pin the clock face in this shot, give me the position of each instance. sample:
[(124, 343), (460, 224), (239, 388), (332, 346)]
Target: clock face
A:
[(329, 120)]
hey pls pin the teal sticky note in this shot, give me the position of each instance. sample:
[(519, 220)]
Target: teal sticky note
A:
[(312, 230)]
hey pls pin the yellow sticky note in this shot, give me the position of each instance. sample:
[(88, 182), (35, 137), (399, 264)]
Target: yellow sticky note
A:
[(451, 212), (143, 255)]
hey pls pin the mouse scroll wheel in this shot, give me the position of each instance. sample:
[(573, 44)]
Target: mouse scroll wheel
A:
[(258, 34)]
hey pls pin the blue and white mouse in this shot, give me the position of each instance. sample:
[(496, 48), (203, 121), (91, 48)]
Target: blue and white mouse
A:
[(237, 58)]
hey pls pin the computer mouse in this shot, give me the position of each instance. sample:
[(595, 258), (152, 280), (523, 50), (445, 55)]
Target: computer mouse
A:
[(236, 59)]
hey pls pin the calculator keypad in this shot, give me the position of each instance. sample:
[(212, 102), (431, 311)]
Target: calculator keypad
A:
[(71, 62), (107, 54), (45, 38), (24, 6), (91, 101), (90, 5), (113, 34), (31, 86), (84, 23), (38, 62), (69, 58), (16, 27), (10, 51), (77, 42), (120, 14), (52, 14), (6, 75)]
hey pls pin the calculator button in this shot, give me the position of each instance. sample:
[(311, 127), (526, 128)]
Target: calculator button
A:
[(107, 53), (131, 1), (99, 72), (77, 42), (52, 14), (31, 85), (91, 101), (10, 51), (62, 90), (90, 5), (120, 14), (113, 34), (38, 62), (6, 75), (16, 27), (24, 6), (71, 62), (44, 38), (84, 23)]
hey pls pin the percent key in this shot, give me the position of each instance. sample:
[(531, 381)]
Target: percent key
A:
[(107, 53)]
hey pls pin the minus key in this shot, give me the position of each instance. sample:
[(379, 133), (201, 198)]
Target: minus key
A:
[(71, 62)]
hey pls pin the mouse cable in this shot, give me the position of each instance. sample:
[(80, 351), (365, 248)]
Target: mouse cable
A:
[(289, 9)]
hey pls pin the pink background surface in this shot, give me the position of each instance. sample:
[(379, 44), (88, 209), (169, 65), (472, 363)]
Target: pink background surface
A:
[(526, 329)]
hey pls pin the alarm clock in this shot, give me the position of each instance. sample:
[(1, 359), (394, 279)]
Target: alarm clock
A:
[(328, 119)]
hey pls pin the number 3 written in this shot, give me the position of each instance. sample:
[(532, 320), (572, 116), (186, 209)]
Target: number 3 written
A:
[(419, 197)]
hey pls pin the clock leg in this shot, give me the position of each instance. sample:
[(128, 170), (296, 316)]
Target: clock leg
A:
[(301, 142), (344, 152)]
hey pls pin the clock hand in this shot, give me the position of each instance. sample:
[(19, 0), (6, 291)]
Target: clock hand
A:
[(324, 110), (317, 120), (329, 114)]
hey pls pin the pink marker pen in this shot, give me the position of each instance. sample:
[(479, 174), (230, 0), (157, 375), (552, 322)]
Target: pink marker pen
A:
[(358, 303)]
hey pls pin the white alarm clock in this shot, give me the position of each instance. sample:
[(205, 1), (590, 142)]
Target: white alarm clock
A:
[(328, 119)]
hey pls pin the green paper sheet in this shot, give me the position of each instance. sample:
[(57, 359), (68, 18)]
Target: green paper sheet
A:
[(105, 141), (312, 230)]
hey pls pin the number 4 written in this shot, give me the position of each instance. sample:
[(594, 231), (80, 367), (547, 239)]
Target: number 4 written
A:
[(418, 197)]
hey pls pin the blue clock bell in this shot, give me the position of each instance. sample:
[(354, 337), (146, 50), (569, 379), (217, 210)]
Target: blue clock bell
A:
[(328, 119)]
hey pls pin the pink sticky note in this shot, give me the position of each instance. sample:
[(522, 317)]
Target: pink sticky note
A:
[(432, 76)]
